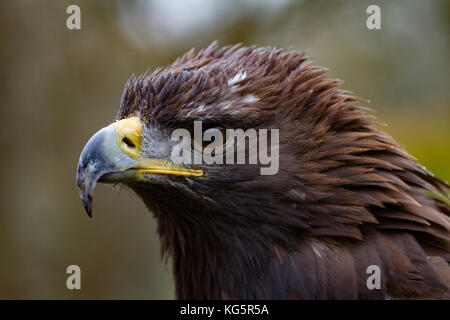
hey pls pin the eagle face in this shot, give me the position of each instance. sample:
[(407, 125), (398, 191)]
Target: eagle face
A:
[(344, 195), (203, 89)]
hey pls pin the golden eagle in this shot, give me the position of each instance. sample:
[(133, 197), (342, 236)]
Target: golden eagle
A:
[(346, 197)]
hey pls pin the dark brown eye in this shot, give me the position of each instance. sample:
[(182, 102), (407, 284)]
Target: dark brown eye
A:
[(128, 142), (214, 141)]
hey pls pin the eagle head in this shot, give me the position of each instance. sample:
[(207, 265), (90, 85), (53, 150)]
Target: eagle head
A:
[(261, 224)]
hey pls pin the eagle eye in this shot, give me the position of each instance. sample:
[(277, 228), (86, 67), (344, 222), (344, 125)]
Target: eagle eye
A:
[(223, 139)]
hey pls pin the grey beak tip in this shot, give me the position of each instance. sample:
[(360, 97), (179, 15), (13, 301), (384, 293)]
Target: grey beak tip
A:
[(88, 207), (87, 204)]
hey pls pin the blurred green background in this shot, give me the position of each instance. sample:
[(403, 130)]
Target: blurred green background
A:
[(59, 86)]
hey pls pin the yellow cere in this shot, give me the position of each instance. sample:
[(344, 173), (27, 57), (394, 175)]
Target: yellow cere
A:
[(129, 135)]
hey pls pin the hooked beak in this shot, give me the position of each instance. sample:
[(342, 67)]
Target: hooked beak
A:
[(113, 155)]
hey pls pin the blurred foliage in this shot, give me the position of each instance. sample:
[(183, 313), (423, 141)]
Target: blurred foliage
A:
[(59, 86)]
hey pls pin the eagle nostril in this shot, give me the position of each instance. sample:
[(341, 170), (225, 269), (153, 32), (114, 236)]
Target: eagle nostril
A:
[(128, 142)]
